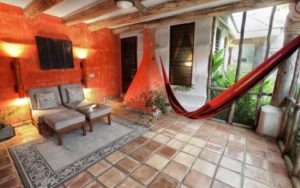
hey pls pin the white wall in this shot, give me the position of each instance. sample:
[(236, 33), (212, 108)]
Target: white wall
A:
[(197, 96)]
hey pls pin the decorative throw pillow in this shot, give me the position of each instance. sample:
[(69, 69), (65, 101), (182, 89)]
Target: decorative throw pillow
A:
[(75, 94), (46, 100)]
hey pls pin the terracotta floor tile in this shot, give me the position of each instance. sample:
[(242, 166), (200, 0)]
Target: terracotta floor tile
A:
[(174, 143), (218, 141), (161, 138), (209, 155), (99, 168), (3, 152), (6, 171), (144, 174), (257, 161), (218, 184), (184, 159), (234, 153), (167, 151), (130, 183), (281, 181), (112, 177), (94, 184), (10, 182), (4, 161), (153, 145), (274, 157), (278, 168), (162, 181), (182, 137), (231, 164), (195, 179), (190, 149), (140, 140), (249, 183), (204, 167), (115, 157), (156, 161), (79, 180), (127, 164), (228, 177), (237, 138), (168, 132), (149, 134), (214, 147), (128, 148), (141, 154), (258, 174), (175, 170), (197, 142)]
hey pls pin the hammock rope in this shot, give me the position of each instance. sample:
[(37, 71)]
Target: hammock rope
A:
[(237, 90)]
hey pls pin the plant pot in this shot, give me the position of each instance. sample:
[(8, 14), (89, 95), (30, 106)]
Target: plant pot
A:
[(156, 113)]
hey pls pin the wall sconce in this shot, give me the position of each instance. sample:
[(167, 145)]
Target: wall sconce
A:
[(81, 53), (15, 51)]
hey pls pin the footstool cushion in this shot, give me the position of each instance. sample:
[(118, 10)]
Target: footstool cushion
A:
[(94, 111), (63, 119)]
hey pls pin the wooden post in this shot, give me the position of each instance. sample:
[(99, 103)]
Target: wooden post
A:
[(296, 117), (212, 44), (266, 57), (19, 83), (237, 76), (290, 97)]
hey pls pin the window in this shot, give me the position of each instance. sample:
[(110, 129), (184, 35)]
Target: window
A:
[(218, 39), (181, 54)]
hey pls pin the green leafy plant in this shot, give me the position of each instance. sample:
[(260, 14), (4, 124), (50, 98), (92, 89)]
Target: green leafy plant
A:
[(157, 100), (245, 108), (183, 88)]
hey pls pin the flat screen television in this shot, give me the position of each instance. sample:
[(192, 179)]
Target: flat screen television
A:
[(54, 53)]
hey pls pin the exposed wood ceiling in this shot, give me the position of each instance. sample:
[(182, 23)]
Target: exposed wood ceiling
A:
[(98, 14)]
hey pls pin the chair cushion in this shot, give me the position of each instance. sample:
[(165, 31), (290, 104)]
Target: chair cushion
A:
[(75, 94), (76, 105), (94, 111), (38, 115), (46, 100), (61, 120), (33, 91)]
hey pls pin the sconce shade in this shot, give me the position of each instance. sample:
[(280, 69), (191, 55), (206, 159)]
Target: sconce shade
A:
[(124, 4)]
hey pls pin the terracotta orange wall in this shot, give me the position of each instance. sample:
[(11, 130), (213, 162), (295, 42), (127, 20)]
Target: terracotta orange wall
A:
[(147, 77), (103, 57)]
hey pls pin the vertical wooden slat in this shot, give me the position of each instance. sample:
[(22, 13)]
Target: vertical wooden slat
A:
[(238, 69), (260, 94), (212, 44)]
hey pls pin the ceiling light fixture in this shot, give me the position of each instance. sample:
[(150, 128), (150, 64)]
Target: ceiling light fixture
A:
[(124, 4)]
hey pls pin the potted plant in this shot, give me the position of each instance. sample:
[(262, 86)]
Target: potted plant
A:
[(157, 102)]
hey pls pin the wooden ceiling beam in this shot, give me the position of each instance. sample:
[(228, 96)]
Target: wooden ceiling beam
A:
[(91, 11), (240, 6), (39, 6), (139, 6), (151, 12)]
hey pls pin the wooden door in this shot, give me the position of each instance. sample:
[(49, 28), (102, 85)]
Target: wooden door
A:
[(129, 61)]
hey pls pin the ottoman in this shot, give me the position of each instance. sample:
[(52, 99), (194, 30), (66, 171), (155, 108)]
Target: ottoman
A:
[(95, 112), (65, 121)]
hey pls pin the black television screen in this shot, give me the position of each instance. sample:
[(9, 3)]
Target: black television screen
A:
[(54, 53)]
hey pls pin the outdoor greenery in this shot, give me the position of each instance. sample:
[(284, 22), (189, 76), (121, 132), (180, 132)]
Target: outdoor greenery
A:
[(156, 100), (245, 109)]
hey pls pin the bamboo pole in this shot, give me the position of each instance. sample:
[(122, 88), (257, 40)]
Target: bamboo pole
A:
[(238, 69), (261, 88), (296, 117), (212, 44), (290, 100)]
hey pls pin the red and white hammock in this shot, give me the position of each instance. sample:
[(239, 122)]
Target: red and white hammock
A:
[(237, 90)]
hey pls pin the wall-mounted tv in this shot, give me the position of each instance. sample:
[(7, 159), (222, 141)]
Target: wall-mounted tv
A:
[(54, 53)]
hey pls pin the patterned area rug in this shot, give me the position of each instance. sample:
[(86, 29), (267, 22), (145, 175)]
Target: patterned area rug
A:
[(43, 163)]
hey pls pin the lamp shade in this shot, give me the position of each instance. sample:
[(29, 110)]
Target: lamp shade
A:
[(124, 4)]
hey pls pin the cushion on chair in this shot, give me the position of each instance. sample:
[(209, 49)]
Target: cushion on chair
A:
[(32, 92), (75, 94), (38, 115), (76, 105), (92, 113), (61, 120), (63, 91), (46, 100)]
